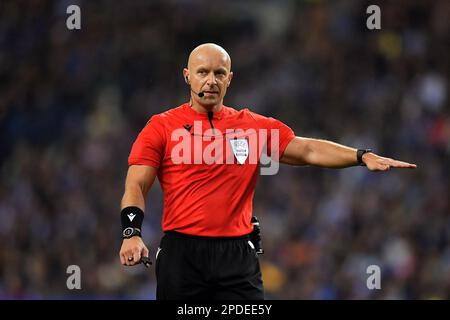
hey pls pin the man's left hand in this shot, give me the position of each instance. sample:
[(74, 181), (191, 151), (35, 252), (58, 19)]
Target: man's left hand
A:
[(376, 163)]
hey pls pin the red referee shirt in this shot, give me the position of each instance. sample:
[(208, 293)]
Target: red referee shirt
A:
[(208, 176)]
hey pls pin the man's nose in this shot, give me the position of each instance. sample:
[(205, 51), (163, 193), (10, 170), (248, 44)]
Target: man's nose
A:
[(212, 79)]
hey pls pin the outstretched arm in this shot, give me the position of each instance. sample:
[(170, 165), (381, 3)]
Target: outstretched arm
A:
[(322, 153)]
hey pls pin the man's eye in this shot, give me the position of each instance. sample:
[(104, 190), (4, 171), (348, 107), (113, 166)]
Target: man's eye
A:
[(202, 72)]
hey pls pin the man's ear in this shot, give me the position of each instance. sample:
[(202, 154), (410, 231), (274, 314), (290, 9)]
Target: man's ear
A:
[(230, 76), (186, 75)]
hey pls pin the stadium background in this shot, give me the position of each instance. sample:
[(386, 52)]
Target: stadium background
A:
[(72, 102)]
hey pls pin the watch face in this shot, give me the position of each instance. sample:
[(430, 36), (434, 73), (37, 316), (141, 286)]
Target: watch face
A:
[(128, 232)]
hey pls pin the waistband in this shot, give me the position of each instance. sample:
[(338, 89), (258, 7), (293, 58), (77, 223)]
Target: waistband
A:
[(177, 234)]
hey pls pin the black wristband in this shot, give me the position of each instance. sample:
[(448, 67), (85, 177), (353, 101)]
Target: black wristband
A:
[(359, 154), (131, 217)]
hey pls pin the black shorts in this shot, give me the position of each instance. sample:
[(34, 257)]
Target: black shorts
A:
[(207, 268)]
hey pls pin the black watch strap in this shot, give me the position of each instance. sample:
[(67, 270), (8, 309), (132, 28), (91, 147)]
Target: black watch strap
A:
[(359, 154), (131, 232)]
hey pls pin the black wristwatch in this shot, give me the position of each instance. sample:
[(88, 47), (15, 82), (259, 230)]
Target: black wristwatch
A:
[(359, 154), (131, 232)]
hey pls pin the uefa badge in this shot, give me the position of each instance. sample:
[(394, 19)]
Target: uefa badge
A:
[(240, 149)]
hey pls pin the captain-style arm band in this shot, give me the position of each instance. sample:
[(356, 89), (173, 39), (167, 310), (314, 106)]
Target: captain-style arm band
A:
[(132, 217)]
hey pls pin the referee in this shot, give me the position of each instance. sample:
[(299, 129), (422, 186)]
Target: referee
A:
[(206, 158)]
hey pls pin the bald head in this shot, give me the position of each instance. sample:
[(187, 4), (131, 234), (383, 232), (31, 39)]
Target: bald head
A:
[(209, 73), (209, 51)]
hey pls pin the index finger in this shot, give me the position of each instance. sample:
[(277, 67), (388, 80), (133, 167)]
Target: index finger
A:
[(136, 256), (402, 164)]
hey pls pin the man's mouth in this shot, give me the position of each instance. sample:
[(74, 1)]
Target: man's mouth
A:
[(210, 92)]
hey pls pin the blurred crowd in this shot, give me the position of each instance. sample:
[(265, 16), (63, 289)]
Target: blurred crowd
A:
[(73, 101)]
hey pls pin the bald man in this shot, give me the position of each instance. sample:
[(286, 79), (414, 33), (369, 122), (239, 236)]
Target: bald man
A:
[(206, 156)]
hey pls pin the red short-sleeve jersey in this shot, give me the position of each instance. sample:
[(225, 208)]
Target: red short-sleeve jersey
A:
[(207, 166)]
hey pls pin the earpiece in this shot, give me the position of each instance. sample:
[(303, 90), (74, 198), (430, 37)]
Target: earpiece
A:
[(200, 94)]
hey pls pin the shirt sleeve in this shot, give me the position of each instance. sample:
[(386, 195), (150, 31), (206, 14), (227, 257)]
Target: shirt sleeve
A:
[(149, 146), (279, 135)]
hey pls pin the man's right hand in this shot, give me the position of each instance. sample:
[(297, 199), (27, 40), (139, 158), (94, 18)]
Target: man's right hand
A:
[(131, 251)]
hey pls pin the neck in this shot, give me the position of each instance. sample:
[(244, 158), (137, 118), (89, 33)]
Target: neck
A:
[(205, 108)]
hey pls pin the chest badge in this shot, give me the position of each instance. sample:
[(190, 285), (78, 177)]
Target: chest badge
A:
[(240, 149)]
